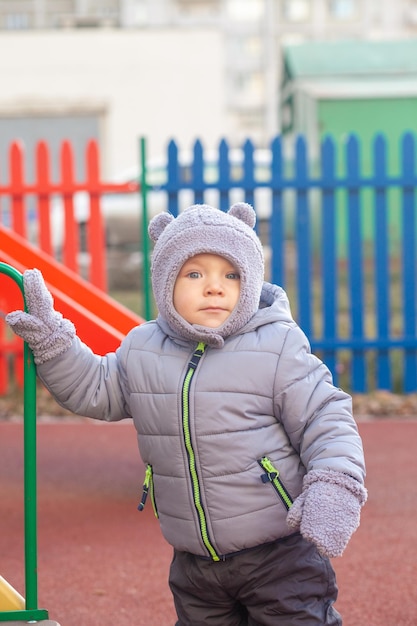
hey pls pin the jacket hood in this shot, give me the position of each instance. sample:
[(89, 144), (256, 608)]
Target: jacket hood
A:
[(274, 306), (204, 229)]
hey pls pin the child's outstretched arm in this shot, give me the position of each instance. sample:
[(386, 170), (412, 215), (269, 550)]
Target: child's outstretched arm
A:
[(78, 379)]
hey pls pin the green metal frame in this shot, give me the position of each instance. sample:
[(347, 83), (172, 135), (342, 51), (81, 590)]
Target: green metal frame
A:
[(31, 612), (147, 294)]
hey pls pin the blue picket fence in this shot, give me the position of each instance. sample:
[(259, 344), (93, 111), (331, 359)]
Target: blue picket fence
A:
[(340, 236)]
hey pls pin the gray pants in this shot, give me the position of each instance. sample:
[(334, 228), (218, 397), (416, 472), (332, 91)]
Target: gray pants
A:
[(285, 583)]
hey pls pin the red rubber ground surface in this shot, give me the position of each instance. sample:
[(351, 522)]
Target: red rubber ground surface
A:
[(102, 563)]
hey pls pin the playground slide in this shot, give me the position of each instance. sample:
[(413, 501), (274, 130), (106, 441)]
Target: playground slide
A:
[(101, 322)]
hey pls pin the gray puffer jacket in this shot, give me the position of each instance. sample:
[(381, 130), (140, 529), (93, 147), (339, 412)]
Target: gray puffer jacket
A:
[(227, 434)]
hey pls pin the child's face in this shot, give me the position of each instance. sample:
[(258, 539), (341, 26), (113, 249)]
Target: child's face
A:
[(207, 290)]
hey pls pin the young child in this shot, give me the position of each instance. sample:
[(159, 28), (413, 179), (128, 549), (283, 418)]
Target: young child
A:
[(254, 463)]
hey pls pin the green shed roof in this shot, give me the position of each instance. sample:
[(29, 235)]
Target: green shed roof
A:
[(345, 59)]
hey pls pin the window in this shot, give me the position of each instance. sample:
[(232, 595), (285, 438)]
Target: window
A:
[(245, 47), (247, 11), (248, 85), (139, 13), (297, 10), (343, 10), (17, 21)]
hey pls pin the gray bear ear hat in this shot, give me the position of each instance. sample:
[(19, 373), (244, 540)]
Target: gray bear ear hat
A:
[(204, 229)]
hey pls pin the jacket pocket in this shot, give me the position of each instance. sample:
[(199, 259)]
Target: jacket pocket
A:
[(271, 475), (148, 489)]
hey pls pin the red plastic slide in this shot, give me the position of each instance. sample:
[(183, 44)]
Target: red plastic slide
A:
[(101, 322)]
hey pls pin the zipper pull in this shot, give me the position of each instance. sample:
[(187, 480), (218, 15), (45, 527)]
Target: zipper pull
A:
[(270, 471), (145, 488), (198, 353)]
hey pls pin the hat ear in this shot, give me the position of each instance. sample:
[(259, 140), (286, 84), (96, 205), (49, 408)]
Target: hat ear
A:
[(244, 212), (158, 224)]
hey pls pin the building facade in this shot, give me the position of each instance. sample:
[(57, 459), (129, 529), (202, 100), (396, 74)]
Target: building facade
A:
[(253, 32)]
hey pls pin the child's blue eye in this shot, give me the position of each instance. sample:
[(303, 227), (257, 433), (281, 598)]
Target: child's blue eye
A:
[(233, 276), (194, 275)]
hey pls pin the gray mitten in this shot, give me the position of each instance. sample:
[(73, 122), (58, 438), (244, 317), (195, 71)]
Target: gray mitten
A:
[(44, 329), (327, 512)]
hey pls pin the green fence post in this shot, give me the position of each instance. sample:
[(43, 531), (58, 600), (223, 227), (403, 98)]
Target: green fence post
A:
[(147, 294), (31, 613)]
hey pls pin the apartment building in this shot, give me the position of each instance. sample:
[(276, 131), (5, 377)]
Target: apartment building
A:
[(252, 30)]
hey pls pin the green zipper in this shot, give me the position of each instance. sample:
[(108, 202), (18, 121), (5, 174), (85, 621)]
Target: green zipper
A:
[(148, 489), (193, 364), (272, 475)]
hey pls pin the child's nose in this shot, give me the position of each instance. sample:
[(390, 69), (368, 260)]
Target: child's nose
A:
[(214, 286)]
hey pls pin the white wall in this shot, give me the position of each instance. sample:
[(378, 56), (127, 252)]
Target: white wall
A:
[(160, 83)]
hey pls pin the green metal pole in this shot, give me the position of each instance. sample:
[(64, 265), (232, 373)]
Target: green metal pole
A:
[(30, 473), (30, 478), (147, 293)]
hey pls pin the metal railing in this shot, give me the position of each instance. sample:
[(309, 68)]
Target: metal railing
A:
[(31, 611)]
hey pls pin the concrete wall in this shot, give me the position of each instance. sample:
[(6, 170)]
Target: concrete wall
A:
[(161, 83)]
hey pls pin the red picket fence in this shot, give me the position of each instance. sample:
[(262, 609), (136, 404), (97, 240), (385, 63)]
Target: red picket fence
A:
[(44, 189), (43, 192)]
